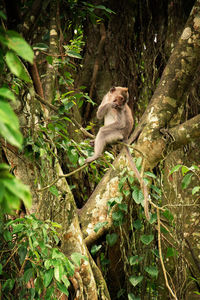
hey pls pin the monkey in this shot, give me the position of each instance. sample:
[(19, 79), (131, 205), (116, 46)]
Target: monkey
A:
[(118, 124), (118, 120)]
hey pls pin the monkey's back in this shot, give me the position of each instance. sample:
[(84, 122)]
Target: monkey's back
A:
[(129, 121)]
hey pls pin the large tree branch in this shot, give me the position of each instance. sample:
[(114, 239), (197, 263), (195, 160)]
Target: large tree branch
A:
[(186, 132)]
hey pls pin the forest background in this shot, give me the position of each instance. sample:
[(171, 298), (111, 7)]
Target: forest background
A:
[(76, 231)]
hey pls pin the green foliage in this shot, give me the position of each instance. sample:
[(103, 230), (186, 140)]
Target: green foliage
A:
[(187, 173), (12, 191), (9, 125), (99, 226), (33, 256), (95, 249), (111, 239), (135, 280)]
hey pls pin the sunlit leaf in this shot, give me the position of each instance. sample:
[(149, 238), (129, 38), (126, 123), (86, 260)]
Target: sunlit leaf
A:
[(77, 258), (175, 169), (54, 190), (6, 93), (17, 188), (95, 249), (134, 280), (134, 260), (146, 239), (16, 66), (195, 190), (99, 226), (186, 180), (16, 42)]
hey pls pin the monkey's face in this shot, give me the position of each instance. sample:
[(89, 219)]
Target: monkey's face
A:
[(119, 93), (119, 101)]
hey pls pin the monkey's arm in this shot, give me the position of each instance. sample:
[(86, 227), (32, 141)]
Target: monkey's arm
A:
[(103, 109)]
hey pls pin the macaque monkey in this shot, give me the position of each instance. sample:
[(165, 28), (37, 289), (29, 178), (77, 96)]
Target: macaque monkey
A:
[(118, 124), (118, 120)]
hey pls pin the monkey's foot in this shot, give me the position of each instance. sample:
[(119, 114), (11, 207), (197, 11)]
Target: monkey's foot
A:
[(90, 159)]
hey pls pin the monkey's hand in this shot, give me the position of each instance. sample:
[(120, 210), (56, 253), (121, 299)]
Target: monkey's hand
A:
[(117, 105)]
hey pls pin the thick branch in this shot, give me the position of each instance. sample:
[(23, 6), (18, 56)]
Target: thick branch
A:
[(186, 132)]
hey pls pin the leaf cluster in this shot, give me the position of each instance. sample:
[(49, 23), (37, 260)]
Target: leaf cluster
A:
[(29, 254)]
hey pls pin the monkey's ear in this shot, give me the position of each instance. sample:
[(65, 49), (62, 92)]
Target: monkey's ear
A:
[(112, 89)]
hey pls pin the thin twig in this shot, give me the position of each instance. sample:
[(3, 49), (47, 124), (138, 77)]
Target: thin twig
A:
[(60, 177), (161, 258)]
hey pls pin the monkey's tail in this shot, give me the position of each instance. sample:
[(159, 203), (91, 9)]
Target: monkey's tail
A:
[(142, 184)]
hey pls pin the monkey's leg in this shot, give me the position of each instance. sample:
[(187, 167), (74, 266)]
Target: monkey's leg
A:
[(106, 135)]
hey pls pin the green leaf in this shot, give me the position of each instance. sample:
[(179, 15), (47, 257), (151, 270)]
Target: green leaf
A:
[(95, 249), (132, 297), (58, 272), (122, 181), (168, 215), (54, 190), (6, 93), (134, 260), (111, 239), (48, 276), (1, 268), (138, 196), (146, 239), (22, 251), (2, 15), (16, 67), (149, 174), (73, 155), (74, 54), (195, 190), (7, 235), (175, 169), (9, 125), (171, 252), (77, 258), (15, 41), (118, 216), (13, 136), (40, 46), (137, 224), (65, 281), (153, 271), (8, 285), (153, 218), (123, 206), (156, 253), (184, 170), (19, 189), (99, 226), (134, 280), (126, 192), (49, 293), (57, 254), (18, 228), (62, 288), (28, 274), (186, 180)]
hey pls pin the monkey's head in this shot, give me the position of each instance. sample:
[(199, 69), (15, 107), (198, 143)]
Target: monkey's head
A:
[(118, 92)]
